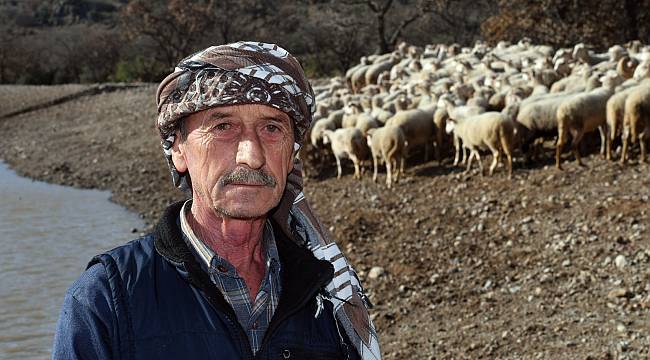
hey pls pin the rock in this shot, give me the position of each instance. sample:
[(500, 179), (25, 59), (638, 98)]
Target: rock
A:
[(621, 328), (376, 272), (566, 263), (620, 261), (488, 285), (617, 293)]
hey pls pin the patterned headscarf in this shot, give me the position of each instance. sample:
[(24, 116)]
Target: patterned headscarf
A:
[(259, 73)]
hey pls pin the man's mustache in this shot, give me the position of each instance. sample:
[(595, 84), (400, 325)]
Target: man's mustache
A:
[(247, 177)]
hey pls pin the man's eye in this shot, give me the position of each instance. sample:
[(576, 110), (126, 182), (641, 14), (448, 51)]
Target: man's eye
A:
[(223, 126), (272, 128)]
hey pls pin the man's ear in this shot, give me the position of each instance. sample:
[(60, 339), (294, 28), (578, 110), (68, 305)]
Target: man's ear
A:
[(178, 154)]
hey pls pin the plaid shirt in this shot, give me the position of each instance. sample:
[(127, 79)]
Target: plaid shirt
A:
[(255, 316)]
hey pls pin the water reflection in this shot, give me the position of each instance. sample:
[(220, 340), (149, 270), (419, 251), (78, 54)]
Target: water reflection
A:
[(48, 234)]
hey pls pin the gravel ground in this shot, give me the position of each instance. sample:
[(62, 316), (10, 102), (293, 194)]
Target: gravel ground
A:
[(548, 265)]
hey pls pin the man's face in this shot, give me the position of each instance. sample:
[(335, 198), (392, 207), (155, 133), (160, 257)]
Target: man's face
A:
[(238, 158)]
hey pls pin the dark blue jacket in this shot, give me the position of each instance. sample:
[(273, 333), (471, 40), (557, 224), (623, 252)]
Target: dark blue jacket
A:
[(150, 299)]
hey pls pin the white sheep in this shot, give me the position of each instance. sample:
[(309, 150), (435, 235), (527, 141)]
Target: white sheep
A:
[(487, 131), (417, 125), (378, 67), (317, 129), (388, 144), (535, 118), (377, 112), (458, 114), (626, 67), (347, 143), (583, 113), (615, 111), (351, 111), (636, 121), (365, 122)]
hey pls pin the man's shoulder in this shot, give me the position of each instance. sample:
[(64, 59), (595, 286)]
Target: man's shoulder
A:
[(135, 250), (95, 280)]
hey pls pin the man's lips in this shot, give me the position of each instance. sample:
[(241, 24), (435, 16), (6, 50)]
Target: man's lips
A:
[(245, 184)]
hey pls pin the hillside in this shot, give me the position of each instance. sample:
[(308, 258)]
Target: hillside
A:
[(550, 264)]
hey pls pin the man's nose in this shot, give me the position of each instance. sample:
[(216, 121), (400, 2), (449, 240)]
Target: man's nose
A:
[(250, 151)]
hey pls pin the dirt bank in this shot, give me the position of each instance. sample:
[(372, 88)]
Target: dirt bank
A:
[(549, 265)]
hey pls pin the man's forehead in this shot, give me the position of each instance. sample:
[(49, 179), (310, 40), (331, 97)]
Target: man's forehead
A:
[(253, 111)]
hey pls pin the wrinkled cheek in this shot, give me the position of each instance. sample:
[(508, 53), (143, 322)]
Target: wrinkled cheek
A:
[(205, 177)]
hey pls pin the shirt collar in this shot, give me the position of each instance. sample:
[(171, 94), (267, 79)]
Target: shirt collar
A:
[(206, 254)]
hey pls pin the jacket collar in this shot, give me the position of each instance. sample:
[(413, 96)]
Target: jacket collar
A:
[(302, 274)]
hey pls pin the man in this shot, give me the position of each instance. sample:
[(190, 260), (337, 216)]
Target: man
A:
[(243, 269)]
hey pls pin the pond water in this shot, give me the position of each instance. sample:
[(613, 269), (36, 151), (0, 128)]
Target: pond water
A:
[(48, 235)]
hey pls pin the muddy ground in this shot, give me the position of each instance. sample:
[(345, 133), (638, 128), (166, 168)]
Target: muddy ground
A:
[(548, 265)]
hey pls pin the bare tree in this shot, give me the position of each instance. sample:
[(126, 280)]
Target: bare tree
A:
[(235, 19), (562, 23), (382, 12), (175, 26)]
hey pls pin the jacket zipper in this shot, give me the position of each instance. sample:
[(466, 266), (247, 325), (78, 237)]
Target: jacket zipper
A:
[(276, 324), (243, 338)]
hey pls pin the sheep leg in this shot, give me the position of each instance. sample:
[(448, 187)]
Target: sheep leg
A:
[(357, 170), (558, 147), (480, 162), (509, 157), (374, 163), (495, 161), (642, 145), (338, 167), (603, 141), (469, 162), (609, 135), (396, 168), (389, 170), (402, 159), (625, 136), (575, 146), (458, 150), (426, 152)]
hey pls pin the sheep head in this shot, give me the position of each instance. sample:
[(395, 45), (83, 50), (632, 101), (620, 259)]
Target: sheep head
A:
[(626, 66), (580, 53), (326, 136), (450, 126), (616, 52)]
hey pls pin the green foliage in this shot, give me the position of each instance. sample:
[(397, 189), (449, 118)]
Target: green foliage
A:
[(317, 66), (139, 69)]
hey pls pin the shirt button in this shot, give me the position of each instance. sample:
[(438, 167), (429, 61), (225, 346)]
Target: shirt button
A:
[(254, 326), (222, 268), (286, 353)]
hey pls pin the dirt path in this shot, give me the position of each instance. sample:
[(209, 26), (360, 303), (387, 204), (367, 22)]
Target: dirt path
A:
[(549, 265)]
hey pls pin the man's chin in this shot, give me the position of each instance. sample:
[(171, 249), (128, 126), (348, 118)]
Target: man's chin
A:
[(240, 214)]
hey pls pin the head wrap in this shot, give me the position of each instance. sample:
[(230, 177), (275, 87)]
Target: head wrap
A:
[(232, 74), (259, 73)]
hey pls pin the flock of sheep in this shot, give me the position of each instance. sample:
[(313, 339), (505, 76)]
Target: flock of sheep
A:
[(505, 99)]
